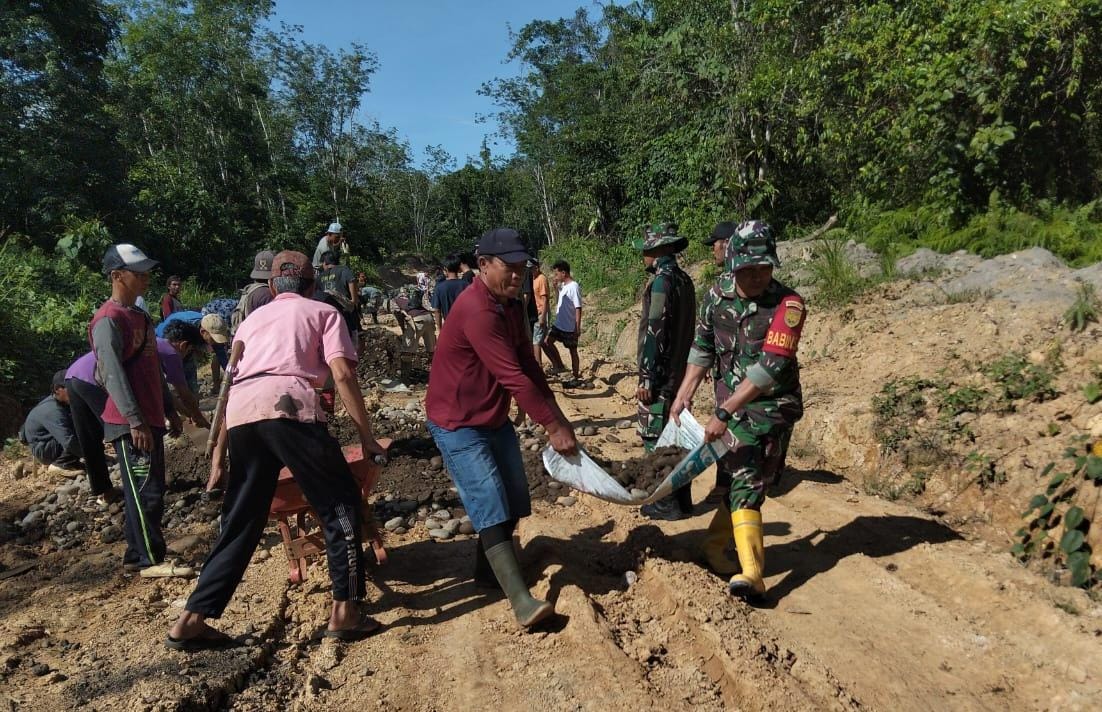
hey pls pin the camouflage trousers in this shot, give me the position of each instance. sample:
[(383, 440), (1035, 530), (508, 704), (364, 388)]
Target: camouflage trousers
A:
[(652, 419), (758, 437)]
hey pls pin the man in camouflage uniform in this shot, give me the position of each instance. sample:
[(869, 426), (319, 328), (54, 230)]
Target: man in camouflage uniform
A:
[(417, 323), (665, 335), (747, 333), (717, 242)]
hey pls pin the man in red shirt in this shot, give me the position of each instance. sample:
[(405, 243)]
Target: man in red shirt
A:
[(274, 418), (170, 302), (483, 360)]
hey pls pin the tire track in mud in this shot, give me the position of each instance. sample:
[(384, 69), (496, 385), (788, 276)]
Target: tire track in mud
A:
[(686, 633)]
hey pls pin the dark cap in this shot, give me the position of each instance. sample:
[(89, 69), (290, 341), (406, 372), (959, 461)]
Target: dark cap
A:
[(292, 264), (722, 231), (58, 380), (127, 257), (262, 265), (503, 242)]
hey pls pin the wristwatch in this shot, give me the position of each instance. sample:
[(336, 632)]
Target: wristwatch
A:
[(722, 414)]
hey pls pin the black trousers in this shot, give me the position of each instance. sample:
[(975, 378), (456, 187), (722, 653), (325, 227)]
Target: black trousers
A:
[(260, 450), (143, 489), (86, 401)]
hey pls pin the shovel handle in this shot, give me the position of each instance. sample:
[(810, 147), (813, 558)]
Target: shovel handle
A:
[(223, 394)]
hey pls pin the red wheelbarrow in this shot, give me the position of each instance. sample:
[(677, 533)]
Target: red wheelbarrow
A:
[(290, 509)]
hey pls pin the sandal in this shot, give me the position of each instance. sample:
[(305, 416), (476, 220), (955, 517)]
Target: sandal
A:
[(167, 571), (366, 627), (209, 639)]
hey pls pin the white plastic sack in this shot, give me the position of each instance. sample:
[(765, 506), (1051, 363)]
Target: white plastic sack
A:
[(585, 475), (689, 435)]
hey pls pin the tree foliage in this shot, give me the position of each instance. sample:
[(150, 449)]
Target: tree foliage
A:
[(793, 110)]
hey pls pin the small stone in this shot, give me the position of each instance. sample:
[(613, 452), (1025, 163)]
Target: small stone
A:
[(442, 514), (534, 448), (437, 461), (453, 525), (263, 555), (442, 534), (625, 425), (566, 501), (40, 669), (637, 493), (72, 527), (433, 524), (399, 530), (33, 519), (315, 683), (20, 470), (630, 577), (554, 485), (589, 430), (110, 534), (392, 524), (466, 528)]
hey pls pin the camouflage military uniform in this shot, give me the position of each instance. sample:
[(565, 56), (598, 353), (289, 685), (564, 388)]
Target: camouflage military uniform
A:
[(754, 339), (416, 322), (665, 335)]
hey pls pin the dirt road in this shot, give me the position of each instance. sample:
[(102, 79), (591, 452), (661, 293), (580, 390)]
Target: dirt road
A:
[(872, 605)]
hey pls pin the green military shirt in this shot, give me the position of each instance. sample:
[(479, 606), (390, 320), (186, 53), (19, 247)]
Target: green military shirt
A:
[(754, 339)]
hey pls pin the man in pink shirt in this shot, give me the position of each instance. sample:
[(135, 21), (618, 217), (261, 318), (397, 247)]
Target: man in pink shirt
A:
[(483, 360), (275, 419)]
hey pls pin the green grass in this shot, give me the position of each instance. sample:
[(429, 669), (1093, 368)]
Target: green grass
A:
[(1085, 308), (836, 279)]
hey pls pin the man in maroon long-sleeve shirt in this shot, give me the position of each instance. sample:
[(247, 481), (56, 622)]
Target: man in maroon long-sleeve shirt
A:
[(483, 359)]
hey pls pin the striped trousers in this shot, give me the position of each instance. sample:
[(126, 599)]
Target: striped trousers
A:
[(143, 489)]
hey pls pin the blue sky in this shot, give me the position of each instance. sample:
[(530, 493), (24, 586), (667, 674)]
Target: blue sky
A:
[(433, 57)]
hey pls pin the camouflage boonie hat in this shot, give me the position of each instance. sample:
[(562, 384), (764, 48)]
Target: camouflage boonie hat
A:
[(752, 244), (660, 235)]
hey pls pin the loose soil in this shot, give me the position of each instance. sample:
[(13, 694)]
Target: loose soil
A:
[(872, 604)]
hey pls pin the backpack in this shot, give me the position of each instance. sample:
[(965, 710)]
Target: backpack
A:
[(242, 309)]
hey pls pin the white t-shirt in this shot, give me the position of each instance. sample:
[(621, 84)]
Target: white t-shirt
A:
[(570, 298)]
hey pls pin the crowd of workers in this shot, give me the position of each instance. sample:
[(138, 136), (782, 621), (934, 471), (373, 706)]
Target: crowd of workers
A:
[(486, 320)]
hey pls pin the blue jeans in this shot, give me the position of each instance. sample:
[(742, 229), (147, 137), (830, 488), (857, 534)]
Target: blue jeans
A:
[(488, 471)]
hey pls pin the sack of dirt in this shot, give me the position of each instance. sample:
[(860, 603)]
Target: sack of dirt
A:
[(584, 475)]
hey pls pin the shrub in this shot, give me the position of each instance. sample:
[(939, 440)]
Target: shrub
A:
[(1085, 308), (1017, 378), (835, 278), (45, 306), (1054, 512)]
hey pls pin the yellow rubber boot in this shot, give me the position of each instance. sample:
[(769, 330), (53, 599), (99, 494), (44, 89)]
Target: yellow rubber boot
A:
[(715, 544), (751, 554)]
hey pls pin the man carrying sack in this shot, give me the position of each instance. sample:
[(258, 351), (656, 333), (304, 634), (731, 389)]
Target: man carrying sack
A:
[(665, 335), (747, 334), (275, 418), (483, 360)]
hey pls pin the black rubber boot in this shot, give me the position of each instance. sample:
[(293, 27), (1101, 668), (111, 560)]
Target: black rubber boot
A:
[(528, 610), (678, 505)]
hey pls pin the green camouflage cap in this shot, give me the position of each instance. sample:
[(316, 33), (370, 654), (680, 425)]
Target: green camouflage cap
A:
[(752, 244), (660, 235)]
